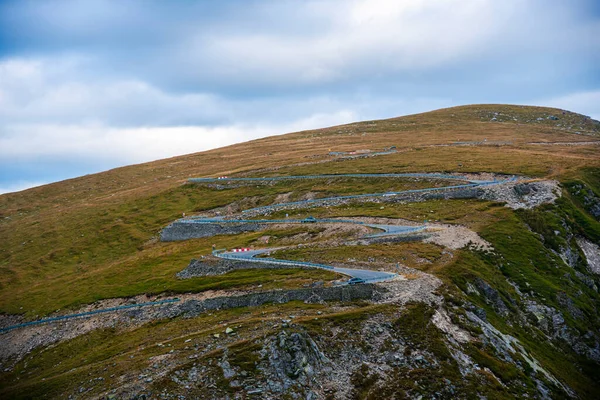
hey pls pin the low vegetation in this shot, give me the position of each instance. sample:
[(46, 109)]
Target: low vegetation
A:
[(96, 237)]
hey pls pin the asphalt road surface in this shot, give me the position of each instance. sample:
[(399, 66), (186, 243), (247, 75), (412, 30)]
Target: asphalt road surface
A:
[(365, 274)]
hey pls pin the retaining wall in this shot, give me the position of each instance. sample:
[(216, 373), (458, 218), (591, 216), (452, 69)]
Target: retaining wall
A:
[(450, 193), (192, 308), (171, 308), (178, 231), (209, 267), (469, 193), (183, 231)]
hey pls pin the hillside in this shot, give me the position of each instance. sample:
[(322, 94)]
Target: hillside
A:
[(495, 279)]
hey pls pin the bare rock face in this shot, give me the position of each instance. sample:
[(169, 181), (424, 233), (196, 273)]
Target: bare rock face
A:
[(291, 359), (589, 199), (523, 189), (492, 297), (523, 194), (592, 254)]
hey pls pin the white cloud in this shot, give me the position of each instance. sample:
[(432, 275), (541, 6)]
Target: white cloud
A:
[(363, 38), (46, 115), (119, 146), (50, 90), (367, 39), (98, 83)]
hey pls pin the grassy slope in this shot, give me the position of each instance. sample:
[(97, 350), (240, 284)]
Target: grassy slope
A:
[(87, 230), (94, 237)]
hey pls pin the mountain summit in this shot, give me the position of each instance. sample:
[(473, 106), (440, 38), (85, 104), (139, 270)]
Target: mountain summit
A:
[(449, 254)]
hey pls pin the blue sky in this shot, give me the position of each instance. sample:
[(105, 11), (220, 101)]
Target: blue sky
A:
[(90, 85)]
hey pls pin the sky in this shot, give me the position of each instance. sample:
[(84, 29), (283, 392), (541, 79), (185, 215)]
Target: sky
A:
[(89, 85)]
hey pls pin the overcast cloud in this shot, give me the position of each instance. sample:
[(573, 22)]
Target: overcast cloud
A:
[(90, 85)]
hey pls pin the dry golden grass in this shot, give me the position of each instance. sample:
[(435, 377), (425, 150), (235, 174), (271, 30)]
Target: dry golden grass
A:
[(70, 239)]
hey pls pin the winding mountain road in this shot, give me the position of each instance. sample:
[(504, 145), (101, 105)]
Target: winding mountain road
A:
[(362, 274), (366, 275), (425, 175), (387, 229)]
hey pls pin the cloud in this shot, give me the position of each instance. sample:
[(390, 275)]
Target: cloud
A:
[(50, 90), (373, 41), (57, 152), (93, 85), (270, 46), (122, 145)]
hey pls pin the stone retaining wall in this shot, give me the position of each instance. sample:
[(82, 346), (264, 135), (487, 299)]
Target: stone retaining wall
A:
[(213, 266), (15, 344), (178, 231), (192, 308), (466, 193)]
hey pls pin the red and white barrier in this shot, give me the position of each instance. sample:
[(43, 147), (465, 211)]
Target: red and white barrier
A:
[(240, 250)]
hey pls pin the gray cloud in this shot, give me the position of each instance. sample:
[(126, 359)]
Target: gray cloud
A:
[(121, 82)]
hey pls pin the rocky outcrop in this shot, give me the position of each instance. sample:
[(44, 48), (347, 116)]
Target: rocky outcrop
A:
[(592, 254), (589, 199), (522, 195), (290, 358), (491, 296)]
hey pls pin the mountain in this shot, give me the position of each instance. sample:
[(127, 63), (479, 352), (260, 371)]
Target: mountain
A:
[(492, 243)]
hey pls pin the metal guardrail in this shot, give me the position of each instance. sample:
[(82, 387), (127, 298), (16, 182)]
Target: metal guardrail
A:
[(268, 221), (330, 176), (375, 280), (364, 155), (221, 254), (87, 314), (399, 231), (395, 233), (491, 143)]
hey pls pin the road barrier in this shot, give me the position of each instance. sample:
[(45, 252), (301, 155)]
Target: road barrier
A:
[(375, 280), (331, 176), (362, 155), (389, 229), (485, 142), (221, 253), (198, 220), (395, 232), (87, 314)]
